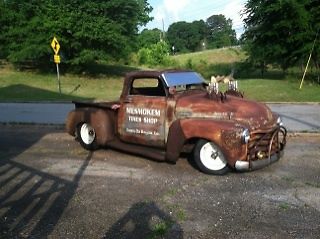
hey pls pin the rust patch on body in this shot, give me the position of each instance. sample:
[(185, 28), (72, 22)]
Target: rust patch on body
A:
[(231, 139)]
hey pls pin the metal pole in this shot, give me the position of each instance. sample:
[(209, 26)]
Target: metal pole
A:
[(305, 71), (58, 75)]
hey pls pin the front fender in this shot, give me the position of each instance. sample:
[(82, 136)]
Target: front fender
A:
[(226, 134), (175, 141)]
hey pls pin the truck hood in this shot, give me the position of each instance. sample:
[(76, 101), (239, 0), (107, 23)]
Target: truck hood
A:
[(248, 113)]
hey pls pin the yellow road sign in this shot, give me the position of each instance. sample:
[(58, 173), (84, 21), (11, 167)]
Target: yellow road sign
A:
[(55, 45), (56, 59)]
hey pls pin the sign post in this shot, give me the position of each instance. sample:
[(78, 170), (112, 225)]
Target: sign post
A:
[(56, 58)]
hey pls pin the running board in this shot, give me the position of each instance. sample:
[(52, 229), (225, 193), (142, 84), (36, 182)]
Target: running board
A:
[(145, 151)]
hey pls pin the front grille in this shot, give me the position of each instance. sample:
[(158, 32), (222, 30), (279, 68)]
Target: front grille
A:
[(263, 144)]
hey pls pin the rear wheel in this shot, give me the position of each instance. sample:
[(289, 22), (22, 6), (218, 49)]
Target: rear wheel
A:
[(87, 136), (209, 158)]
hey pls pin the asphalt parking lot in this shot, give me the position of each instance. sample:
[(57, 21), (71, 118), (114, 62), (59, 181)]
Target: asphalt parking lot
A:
[(52, 188)]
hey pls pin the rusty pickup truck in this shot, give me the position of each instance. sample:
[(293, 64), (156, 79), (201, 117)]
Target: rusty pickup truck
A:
[(161, 114)]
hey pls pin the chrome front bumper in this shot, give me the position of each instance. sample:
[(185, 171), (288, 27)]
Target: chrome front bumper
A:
[(257, 164), (273, 150)]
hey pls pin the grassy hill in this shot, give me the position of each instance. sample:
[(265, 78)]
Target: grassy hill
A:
[(104, 82), (216, 56), (274, 86)]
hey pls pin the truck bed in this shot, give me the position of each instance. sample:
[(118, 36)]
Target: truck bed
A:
[(102, 105)]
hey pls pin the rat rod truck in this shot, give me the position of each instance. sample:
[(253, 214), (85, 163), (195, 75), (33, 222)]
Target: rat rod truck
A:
[(161, 114)]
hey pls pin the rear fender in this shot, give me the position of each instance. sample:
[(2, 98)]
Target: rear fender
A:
[(226, 134), (101, 120)]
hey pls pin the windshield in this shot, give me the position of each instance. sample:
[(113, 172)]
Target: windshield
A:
[(183, 79)]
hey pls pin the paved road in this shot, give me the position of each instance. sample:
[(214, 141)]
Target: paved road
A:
[(299, 117), (40, 113), (296, 117), (52, 188)]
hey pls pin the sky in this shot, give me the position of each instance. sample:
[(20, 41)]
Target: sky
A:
[(171, 11)]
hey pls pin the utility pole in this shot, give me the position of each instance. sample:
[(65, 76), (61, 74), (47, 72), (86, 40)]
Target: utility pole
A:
[(163, 34)]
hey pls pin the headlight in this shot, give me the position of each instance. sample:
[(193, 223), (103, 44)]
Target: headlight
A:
[(245, 136), (279, 121)]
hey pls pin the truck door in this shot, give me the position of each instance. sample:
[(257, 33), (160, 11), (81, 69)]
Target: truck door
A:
[(141, 118)]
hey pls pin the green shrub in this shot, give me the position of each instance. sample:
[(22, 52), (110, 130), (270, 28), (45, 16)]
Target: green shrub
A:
[(155, 54)]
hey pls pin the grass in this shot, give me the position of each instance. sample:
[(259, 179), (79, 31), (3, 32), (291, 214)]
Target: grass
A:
[(313, 184), (287, 90), (175, 209), (31, 86), (284, 206), (104, 82), (161, 229), (275, 86), (215, 57)]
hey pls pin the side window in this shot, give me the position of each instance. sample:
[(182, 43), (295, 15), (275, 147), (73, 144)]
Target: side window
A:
[(147, 87)]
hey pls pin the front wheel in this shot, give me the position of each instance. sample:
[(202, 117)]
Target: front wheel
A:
[(87, 136), (209, 158)]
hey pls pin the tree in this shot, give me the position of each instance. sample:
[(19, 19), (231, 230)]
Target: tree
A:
[(216, 32), (280, 32), (185, 36), (87, 30), (22, 32), (220, 32), (313, 7), (149, 37)]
